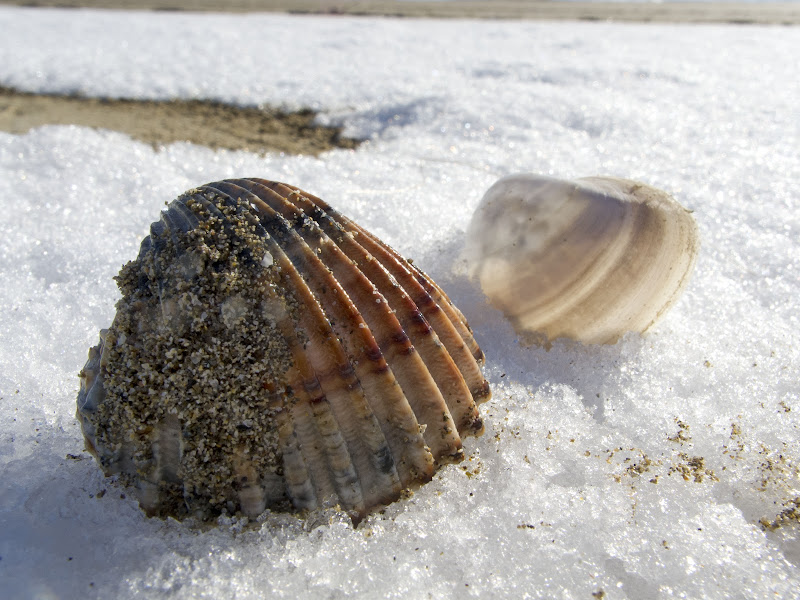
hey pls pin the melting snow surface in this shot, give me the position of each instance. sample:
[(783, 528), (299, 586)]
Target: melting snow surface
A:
[(654, 468)]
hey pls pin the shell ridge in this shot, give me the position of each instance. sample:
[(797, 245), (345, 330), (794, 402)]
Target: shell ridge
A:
[(320, 471), (412, 374), (397, 420), (383, 476), (299, 484), (326, 479), (347, 483), (314, 425), (423, 337), (435, 308), (438, 295), (384, 395), (399, 268), (181, 216)]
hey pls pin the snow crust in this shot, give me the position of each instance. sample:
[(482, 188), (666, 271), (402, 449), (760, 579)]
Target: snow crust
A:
[(654, 468)]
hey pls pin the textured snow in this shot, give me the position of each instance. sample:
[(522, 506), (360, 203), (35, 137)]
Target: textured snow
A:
[(642, 470)]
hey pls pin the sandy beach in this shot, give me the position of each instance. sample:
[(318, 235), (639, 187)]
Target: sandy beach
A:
[(261, 130), (786, 13), (206, 123)]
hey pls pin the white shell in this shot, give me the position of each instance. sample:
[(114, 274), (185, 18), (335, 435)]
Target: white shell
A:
[(588, 259), (270, 353)]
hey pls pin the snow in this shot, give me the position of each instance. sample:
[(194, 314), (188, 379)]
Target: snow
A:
[(641, 470)]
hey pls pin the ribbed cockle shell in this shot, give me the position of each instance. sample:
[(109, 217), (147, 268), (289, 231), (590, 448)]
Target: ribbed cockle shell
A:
[(588, 259), (268, 352)]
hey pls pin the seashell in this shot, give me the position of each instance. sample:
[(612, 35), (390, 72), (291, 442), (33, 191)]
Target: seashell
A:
[(268, 352), (588, 259)]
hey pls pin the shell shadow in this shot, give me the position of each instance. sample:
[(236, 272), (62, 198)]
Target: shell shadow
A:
[(70, 532), (590, 370)]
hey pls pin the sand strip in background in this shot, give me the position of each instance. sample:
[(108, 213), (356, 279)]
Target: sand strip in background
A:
[(787, 13), (207, 123), (260, 130)]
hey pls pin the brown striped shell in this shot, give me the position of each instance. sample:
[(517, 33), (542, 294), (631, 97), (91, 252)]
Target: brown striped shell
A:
[(270, 353)]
